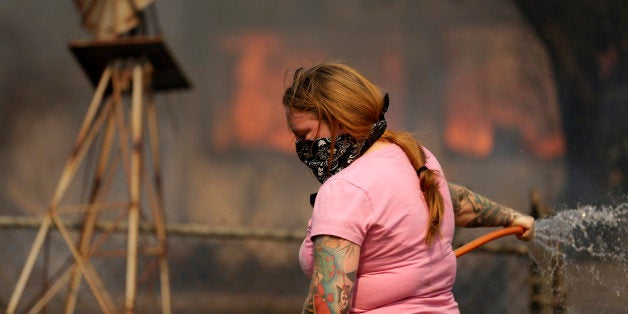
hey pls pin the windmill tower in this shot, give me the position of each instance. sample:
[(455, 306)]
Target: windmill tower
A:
[(127, 66)]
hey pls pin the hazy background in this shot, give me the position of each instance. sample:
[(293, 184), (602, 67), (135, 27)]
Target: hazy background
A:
[(470, 77), (455, 72)]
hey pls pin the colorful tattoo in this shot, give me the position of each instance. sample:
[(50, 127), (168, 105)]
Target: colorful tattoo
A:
[(333, 276), (486, 212)]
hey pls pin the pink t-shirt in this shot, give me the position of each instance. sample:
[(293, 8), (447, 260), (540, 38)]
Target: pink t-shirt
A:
[(377, 203)]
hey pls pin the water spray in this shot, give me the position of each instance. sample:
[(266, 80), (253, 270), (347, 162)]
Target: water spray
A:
[(581, 256)]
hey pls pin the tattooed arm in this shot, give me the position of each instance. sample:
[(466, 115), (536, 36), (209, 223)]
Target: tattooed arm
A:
[(474, 210), (333, 276)]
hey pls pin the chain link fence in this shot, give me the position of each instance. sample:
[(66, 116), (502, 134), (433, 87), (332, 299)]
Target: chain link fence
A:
[(215, 270)]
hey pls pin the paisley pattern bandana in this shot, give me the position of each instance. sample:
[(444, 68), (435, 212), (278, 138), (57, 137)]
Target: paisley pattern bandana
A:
[(315, 153)]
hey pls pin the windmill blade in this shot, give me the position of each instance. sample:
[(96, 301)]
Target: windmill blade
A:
[(110, 18)]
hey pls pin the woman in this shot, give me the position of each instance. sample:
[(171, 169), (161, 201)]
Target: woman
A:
[(379, 240)]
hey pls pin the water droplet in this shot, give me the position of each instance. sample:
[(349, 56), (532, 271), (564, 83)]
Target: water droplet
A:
[(586, 246)]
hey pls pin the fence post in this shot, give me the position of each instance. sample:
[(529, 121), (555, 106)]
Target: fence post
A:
[(547, 293)]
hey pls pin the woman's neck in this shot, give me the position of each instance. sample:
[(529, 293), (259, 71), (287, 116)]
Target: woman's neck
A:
[(377, 146)]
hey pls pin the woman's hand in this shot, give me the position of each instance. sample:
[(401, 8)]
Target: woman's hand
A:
[(527, 223)]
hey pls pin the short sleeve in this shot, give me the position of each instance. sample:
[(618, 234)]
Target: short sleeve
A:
[(342, 210)]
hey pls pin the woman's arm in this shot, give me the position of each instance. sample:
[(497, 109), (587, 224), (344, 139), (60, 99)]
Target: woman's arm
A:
[(474, 210), (333, 276)]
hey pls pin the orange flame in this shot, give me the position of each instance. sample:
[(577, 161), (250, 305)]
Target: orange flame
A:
[(488, 88), (256, 119), (495, 83)]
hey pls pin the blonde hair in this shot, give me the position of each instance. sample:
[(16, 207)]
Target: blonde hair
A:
[(341, 96)]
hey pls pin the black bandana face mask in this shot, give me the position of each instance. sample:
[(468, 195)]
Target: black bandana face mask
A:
[(315, 153)]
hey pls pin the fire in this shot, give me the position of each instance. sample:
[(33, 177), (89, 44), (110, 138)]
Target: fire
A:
[(494, 83), (256, 119), (491, 86)]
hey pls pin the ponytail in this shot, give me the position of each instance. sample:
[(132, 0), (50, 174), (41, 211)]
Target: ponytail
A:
[(428, 179)]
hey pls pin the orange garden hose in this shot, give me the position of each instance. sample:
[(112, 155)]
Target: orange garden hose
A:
[(487, 238)]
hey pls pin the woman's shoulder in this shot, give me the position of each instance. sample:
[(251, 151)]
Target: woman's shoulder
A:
[(387, 163)]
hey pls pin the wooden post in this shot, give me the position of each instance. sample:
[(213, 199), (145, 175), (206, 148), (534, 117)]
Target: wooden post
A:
[(28, 266), (158, 208), (125, 73), (94, 282), (546, 287), (134, 187), (81, 141), (91, 215)]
